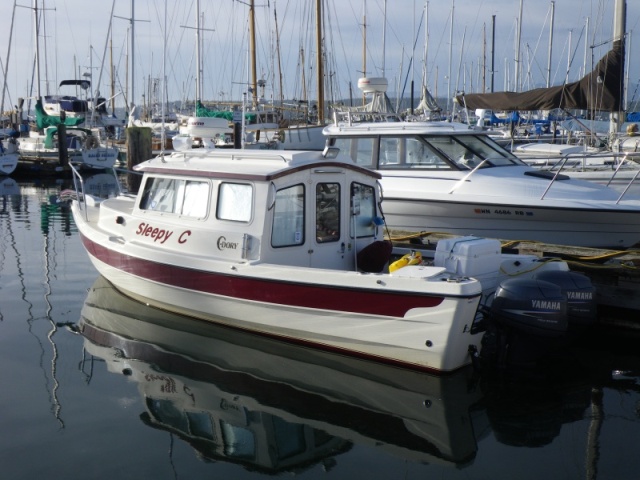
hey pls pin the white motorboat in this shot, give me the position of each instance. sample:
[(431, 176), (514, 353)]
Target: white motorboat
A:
[(448, 177), (276, 243), (232, 392)]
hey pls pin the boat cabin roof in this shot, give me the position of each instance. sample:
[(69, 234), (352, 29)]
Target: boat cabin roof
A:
[(261, 165)]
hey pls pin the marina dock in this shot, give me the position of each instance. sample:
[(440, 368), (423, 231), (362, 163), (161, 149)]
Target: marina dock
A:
[(614, 273)]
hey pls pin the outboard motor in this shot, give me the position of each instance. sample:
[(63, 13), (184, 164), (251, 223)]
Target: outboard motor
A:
[(527, 324), (580, 293), (533, 306)]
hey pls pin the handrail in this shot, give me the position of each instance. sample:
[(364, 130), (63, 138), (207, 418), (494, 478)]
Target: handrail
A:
[(464, 179), (79, 186), (626, 158), (350, 117), (78, 181)]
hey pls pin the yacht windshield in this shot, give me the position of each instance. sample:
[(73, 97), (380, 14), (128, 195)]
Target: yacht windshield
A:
[(468, 151), (424, 152)]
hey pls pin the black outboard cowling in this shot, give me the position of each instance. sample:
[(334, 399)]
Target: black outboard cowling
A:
[(580, 293), (532, 306), (527, 326)]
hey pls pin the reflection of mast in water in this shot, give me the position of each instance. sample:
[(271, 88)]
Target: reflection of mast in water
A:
[(20, 212), (593, 438), (56, 407)]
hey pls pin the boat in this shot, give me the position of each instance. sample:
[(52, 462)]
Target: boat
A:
[(227, 393), (39, 151), (8, 153), (277, 242), (451, 178), (620, 170), (73, 106)]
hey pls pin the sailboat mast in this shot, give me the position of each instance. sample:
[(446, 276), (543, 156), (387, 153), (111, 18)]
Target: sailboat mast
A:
[(553, 12), (275, 17), (6, 71), (198, 60), (517, 70), (37, 43), (384, 39), (252, 39), (450, 60), (320, 62), (619, 27), (133, 52), (364, 45)]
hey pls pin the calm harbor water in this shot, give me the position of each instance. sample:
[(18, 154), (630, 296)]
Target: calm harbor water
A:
[(95, 385)]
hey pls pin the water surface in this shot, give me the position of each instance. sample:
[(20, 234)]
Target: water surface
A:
[(96, 385)]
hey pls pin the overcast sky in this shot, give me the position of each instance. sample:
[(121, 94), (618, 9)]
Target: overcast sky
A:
[(73, 28)]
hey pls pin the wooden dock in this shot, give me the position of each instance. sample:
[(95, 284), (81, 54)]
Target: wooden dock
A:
[(615, 274)]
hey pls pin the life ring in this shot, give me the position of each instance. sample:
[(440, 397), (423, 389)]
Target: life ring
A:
[(413, 258), (91, 142)]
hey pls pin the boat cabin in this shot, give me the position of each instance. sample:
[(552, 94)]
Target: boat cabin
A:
[(414, 145), (306, 209)]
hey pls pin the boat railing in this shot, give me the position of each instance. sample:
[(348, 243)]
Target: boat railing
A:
[(79, 186), (350, 117), (466, 177), (618, 161)]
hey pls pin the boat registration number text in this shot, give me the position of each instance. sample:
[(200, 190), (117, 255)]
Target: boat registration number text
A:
[(502, 211)]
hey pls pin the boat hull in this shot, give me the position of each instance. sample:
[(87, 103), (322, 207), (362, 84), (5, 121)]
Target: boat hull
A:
[(498, 208), (585, 228), (8, 163), (432, 341), (423, 323)]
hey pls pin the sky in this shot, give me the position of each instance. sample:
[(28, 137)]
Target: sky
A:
[(449, 42)]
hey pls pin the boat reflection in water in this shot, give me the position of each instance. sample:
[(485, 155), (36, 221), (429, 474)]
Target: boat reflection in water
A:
[(272, 406)]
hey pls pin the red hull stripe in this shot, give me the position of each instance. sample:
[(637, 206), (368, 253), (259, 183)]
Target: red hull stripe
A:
[(339, 299)]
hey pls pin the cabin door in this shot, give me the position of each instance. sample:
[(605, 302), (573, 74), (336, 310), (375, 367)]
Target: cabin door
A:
[(329, 242)]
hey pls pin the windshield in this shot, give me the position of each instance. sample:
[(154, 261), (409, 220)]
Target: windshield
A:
[(424, 152), (467, 151)]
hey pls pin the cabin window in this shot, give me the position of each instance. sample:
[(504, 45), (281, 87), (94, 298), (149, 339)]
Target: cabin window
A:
[(468, 151), (235, 201), (288, 217), (171, 195), (327, 212), (487, 148), (363, 210), (359, 149), (391, 151), (239, 441), (417, 154), (159, 195)]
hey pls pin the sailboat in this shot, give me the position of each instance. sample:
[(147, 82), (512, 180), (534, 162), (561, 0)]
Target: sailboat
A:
[(602, 90), (263, 128), (57, 138)]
